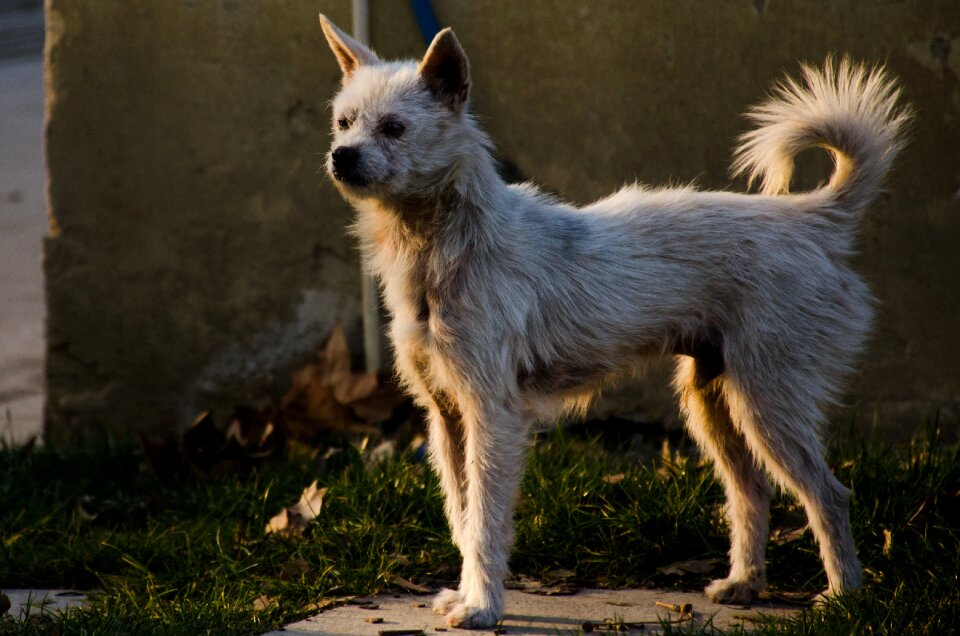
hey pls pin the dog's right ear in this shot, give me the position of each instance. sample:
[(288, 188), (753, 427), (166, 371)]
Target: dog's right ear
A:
[(351, 55)]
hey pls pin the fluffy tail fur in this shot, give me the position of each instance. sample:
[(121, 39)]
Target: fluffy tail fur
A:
[(849, 109)]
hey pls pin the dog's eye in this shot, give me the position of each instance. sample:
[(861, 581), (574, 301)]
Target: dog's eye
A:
[(392, 128), (343, 123)]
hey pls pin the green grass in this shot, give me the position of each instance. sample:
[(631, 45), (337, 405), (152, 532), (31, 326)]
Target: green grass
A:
[(191, 558)]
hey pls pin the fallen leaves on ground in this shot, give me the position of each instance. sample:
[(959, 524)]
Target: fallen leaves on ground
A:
[(322, 605), (789, 525), (263, 603), (292, 522), (692, 566), (207, 448), (787, 534), (326, 402), (293, 570), (328, 396), (410, 586), (559, 582)]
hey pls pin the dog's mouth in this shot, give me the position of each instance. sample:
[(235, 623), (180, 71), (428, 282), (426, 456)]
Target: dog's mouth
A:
[(361, 182), (350, 177)]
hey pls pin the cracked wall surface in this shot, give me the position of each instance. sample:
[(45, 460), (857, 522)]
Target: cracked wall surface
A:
[(197, 253)]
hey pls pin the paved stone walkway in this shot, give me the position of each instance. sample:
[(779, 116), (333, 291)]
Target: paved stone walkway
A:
[(534, 615), (23, 224), (26, 603)]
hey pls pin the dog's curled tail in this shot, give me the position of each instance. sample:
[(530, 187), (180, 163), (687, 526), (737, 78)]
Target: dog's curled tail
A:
[(849, 109)]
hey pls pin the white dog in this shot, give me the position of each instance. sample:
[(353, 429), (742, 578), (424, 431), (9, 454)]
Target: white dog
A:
[(510, 307)]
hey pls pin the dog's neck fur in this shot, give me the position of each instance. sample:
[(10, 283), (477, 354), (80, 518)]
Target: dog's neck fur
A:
[(435, 229)]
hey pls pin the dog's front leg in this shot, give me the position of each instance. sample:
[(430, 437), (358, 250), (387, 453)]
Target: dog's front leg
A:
[(496, 442), (446, 447)]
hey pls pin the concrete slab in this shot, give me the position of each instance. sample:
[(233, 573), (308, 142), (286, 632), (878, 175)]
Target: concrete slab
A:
[(26, 603), (531, 614), (23, 224)]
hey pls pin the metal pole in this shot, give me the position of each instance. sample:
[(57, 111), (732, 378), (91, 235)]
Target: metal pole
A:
[(369, 297), (361, 21)]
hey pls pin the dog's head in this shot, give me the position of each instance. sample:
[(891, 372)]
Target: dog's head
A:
[(396, 124)]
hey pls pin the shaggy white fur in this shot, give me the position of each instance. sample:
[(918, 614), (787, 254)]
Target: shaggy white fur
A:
[(510, 308)]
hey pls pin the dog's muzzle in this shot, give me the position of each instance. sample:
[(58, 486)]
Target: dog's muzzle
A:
[(347, 166)]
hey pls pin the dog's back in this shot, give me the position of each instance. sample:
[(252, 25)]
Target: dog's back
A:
[(660, 271)]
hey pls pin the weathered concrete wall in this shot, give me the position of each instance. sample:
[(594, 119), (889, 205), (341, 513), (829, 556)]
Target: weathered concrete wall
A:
[(196, 253)]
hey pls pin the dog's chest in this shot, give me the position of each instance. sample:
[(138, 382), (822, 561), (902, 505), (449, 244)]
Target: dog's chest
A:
[(420, 361), (413, 306)]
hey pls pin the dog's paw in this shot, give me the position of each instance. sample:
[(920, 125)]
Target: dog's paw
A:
[(822, 598), (831, 594), (472, 617), (731, 591), (445, 600)]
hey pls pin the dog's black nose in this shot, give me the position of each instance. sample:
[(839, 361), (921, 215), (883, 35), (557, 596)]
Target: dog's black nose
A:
[(346, 161), (345, 157)]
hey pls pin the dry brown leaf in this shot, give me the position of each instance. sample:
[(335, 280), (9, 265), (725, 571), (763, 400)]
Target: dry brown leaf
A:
[(329, 393), (360, 600), (693, 566), (561, 583), (379, 405), (263, 603), (887, 542), (292, 522), (787, 534), (293, 569), (322, 605), (249, 429), (559, 574), (312, 395), (209, 448), (354, 387), (410, 586)]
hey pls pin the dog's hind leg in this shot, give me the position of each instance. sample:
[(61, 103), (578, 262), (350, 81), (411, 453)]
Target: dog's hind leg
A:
[(747, 489), (496, 443), (781, 429)]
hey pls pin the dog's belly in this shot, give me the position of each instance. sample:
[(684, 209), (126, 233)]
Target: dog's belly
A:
[(567, 377), (562, 377)]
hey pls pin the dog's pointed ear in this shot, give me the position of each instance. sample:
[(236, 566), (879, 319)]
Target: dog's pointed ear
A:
[(351, 55), (446, 70)]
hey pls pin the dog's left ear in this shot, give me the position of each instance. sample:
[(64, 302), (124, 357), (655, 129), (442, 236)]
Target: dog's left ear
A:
[(446, 70), (351, 55)]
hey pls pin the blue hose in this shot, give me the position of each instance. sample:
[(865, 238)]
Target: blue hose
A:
[(426, 19)]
